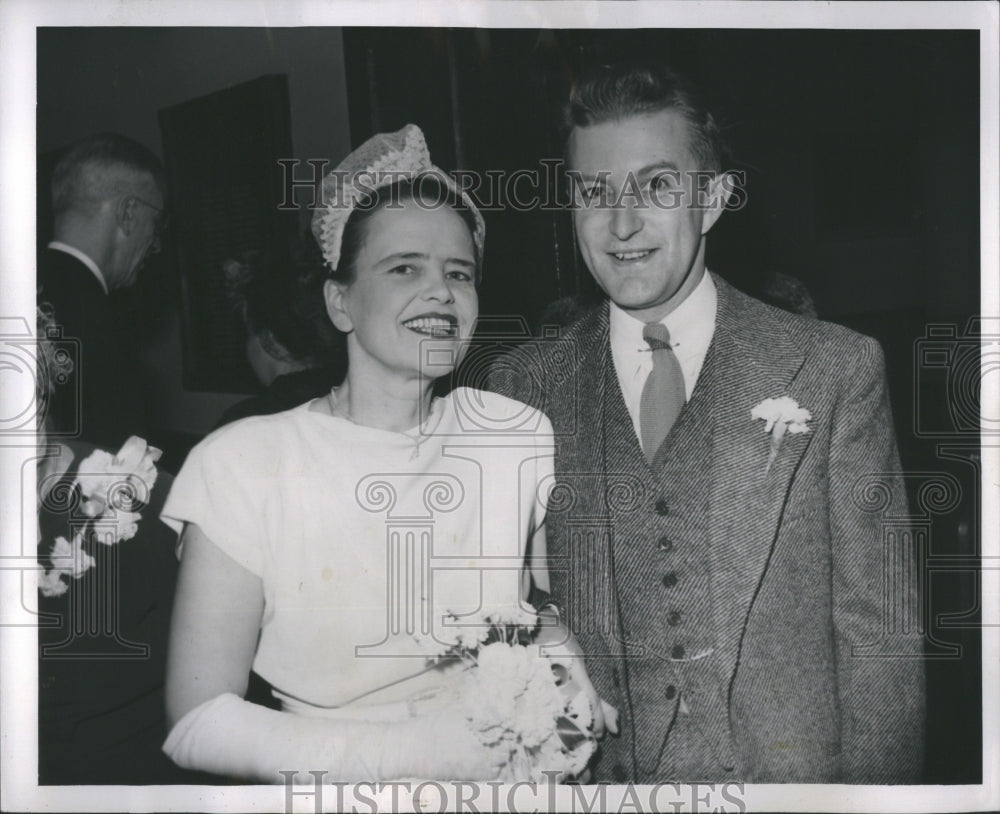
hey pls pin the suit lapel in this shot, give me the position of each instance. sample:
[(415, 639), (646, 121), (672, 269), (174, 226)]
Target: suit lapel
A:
[(751, 358), (578, 412), (579, 401), (602, 476)]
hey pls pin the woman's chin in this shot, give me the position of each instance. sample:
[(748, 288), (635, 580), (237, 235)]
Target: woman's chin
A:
[(431, 372)]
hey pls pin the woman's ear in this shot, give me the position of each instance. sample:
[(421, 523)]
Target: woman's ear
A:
[(333, 293)]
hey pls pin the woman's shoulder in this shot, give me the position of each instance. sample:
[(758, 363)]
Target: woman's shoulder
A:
[(258, 435), (488, 411)]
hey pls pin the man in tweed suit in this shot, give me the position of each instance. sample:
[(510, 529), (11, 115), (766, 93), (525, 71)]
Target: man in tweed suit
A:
[(734, 584)]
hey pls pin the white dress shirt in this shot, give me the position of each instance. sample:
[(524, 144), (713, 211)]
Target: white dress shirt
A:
[(691, 325), (83, 258)]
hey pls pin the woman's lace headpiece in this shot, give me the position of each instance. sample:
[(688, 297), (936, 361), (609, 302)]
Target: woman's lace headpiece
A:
[(386, 158)]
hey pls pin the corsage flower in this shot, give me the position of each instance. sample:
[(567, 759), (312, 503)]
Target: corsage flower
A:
[(67, 559), (110, 487), (125, 477), (781, 415), (122, 525)]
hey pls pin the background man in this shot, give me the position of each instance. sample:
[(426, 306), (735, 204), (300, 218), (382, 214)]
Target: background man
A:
[(712, 544), (101, 668), (108, 195)]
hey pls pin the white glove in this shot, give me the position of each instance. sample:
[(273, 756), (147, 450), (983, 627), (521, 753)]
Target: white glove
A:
[(229, 736)]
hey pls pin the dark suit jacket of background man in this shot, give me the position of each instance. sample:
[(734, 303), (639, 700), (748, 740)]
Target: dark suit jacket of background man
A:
[(807, 688), (101, 402)]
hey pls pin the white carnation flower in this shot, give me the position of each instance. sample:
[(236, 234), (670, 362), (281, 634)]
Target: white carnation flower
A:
[(781, 415), (70, 558), (121, 478), (50, 583), (122, 524), (784, 410)]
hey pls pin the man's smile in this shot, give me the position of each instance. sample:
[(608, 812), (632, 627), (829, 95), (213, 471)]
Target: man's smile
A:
[(633, 256)]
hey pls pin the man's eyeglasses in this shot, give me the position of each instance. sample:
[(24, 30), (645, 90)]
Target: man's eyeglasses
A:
[(162, 219)]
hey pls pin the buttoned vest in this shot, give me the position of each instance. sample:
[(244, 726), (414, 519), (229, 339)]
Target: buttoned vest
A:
[(662, 577)]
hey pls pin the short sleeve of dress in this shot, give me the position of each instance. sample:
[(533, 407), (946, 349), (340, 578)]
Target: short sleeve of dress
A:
[(221, 489)]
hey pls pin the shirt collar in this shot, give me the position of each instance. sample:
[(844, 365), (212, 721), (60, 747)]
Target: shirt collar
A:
[(691, 324), (83, 258)]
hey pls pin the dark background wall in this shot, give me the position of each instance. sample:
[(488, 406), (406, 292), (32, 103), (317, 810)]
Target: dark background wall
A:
[(861, 153), (861, 147)]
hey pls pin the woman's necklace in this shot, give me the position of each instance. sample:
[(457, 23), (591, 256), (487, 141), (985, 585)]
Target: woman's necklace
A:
[(418, 436)]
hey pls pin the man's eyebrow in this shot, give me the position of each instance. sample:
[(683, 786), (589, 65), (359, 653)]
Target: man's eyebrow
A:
[(605, 175), (583, 175), (659, 166)]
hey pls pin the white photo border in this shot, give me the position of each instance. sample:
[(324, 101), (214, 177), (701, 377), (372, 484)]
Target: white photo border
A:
[(19, 20)]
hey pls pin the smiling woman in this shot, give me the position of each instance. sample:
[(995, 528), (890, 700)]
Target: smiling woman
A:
[(327, 547), (406, 276)]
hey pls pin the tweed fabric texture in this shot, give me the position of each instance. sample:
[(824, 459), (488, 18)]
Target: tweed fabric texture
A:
[(660, 559), (812, 687)]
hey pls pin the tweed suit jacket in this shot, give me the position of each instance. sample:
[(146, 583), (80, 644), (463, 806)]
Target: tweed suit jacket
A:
[(813, 605)]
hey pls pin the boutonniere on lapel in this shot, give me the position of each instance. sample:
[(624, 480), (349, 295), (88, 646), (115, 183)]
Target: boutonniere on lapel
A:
[(780, 416)]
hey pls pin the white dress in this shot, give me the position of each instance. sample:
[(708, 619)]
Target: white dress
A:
[(364, 538)]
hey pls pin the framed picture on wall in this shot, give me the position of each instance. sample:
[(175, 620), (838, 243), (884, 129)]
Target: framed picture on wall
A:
[(221, 153)]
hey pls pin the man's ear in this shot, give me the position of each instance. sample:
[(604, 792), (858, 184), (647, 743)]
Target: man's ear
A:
[(125, 213), (721, 190), (333, 294)]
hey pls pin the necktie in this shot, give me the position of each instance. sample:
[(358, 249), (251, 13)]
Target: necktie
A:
[(663, 393)]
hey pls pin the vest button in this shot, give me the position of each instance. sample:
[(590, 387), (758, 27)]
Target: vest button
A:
[(669, 579), (674, 618), (665, 545), (618, 773), (661, 507), (677, 652), (670, 692), (615, 679)]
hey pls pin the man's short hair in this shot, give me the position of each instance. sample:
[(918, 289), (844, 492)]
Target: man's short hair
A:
[(621, 90), (102, 167)]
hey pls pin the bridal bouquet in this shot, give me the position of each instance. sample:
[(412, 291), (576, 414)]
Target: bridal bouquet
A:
[(520, 704)]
